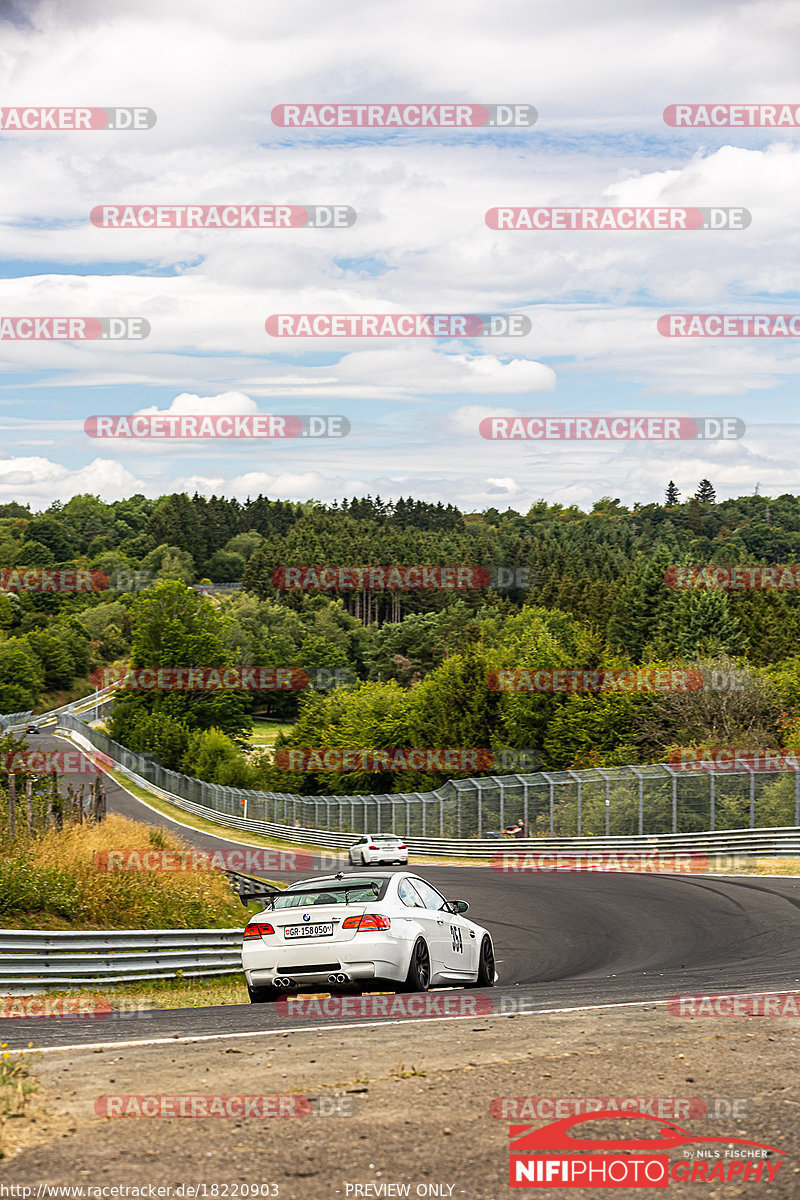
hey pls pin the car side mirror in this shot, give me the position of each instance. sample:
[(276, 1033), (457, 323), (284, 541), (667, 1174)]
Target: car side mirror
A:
[(459, 906)]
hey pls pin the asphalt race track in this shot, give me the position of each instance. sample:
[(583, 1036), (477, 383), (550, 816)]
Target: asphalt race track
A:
[(561, 941)]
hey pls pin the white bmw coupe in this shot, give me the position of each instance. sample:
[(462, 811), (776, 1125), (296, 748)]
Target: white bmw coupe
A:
[(382, 930)]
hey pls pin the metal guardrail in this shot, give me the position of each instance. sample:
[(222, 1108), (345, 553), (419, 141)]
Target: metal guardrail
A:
[(9, 720), (34, 960), (250, 887)]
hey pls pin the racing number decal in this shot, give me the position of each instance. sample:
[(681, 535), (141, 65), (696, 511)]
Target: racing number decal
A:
[(455, 933)]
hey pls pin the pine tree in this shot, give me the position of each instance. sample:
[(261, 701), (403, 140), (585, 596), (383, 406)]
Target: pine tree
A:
[(673, 495), (705, 492)]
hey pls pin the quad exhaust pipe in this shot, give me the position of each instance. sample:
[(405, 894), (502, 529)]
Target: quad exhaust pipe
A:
[(340, 977), (283, 981)]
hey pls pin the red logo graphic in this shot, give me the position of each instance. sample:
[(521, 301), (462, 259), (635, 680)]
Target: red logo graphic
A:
[(627, 1162)]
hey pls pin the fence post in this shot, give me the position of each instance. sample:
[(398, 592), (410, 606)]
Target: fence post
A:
[(640, 778), (578, 780), (12, 806), (29, 805), (752, 797), (712, 814), (608, 799), (796, 796), (552, 803)]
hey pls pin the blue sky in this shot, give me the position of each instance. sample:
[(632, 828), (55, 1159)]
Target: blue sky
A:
[(599, 78)]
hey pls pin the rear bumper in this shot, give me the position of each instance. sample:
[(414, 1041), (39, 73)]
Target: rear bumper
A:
[(360, 959)]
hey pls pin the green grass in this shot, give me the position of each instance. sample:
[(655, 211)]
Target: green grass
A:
[(265, 732), (181, 992)]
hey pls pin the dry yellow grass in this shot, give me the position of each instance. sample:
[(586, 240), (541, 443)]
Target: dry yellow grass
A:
[(55, 883)]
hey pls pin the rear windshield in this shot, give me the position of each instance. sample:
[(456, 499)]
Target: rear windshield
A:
[(386, 841), (360, 891)]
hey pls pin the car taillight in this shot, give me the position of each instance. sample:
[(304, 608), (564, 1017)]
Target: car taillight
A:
[(366, 921), (373, 847), (257, 930), (401, 846)]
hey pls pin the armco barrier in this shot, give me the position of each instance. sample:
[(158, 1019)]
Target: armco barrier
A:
[(33, 960), (779, 841), (11, 720)]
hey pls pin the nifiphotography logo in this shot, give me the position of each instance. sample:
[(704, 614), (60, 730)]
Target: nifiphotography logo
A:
[(552, 1156)]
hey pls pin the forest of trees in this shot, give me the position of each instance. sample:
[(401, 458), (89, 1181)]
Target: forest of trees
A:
[(594, 595)]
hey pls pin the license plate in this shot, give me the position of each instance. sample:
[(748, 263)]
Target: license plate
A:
[(304, 931)]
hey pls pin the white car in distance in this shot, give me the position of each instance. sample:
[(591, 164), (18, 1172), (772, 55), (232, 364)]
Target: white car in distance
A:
[(383, 930), (378, 848)]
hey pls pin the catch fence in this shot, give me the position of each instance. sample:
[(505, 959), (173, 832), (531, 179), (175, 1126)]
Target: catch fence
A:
[(625, 801)]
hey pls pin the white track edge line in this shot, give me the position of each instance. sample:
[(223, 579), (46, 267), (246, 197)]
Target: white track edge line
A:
[(218, 1037)]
